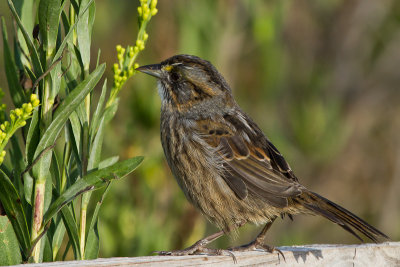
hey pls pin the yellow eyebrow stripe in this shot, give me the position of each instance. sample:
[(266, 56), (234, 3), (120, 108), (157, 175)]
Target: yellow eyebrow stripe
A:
[(168, 68)]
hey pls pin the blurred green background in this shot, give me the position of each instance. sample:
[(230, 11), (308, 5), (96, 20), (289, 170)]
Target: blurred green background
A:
[(321, 78)]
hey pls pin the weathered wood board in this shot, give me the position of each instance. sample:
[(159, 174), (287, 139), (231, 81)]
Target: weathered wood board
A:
[(385, 254)]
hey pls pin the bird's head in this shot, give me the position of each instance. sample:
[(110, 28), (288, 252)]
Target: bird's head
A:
[(188, 82)]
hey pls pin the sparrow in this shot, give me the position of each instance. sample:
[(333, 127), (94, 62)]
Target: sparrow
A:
[(223, 162)]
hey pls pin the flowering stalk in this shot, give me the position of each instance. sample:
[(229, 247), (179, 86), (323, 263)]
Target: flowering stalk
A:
[(18, 118), (126, 65)]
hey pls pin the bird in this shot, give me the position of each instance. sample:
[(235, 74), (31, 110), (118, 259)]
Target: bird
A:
[(224, 163)]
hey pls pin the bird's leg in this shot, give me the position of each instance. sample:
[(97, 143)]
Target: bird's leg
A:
[(258, 242), (196, 248), (199, 246)]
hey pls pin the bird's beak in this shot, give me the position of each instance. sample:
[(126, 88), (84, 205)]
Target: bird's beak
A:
[(153, 70)]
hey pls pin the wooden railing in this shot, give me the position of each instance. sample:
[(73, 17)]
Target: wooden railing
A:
[(385, 254)]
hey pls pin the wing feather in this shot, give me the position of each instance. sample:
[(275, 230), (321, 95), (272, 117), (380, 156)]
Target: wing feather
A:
[(256, 168)]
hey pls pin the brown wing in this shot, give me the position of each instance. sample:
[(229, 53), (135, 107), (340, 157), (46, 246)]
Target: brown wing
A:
[(252, 164)]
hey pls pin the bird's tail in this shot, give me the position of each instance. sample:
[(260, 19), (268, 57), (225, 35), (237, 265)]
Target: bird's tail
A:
[(335, 213)]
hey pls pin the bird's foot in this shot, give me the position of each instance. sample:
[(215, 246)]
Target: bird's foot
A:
[(257, 244), (197, 249)]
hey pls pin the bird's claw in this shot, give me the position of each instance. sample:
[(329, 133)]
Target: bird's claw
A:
[(258, 245), (197, 251)]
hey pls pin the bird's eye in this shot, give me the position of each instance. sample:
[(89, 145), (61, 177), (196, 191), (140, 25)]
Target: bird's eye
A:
[(175, 77)]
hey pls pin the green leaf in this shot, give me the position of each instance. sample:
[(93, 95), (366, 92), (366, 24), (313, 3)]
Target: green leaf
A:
[(47, 250), (49, 20), (71, 73), (32, 50), (55, 171), (32, 140), (91, 181), (18, 56), (48, 189), (18, 167), (73, 175), (98, 57), (12, 205), (24, 11), (97, 113), (76, 127), (94, 158), (28, 187), (15, 89), (79, 58), (58, 236), (111, 110), (75, 4), (30, 73), (49, 16), (95, 152), (70, 136), (60, 117), (6, 170), (83, 118), (55, 75), (18, 164), (108, 162), (72, 230), (70, 32), (33, 137), (84, 32), (65, 21), (93, 240), (10, 253)]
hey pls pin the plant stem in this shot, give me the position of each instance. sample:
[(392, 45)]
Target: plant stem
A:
[(40, 183), (86, 196), (66, 157), (47, 104), (38, 217), (82, 229)]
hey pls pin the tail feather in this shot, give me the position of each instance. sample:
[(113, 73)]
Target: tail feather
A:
[(339, 215)]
